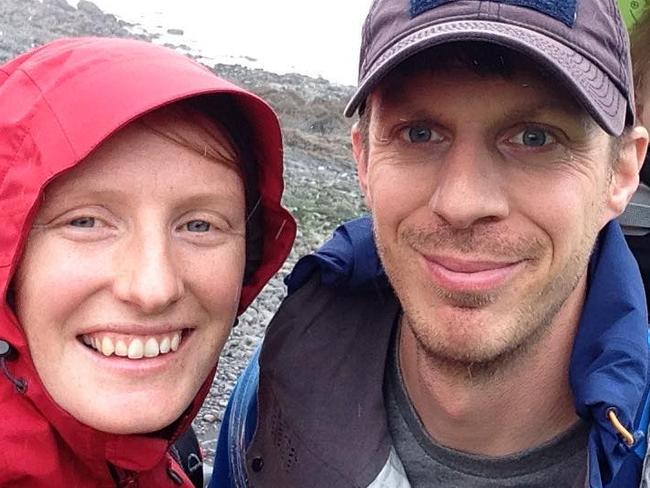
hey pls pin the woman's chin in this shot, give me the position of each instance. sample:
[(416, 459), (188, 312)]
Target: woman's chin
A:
[(134, 418)]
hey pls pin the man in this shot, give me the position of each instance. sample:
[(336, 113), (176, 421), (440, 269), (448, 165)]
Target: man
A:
[(508, 347)]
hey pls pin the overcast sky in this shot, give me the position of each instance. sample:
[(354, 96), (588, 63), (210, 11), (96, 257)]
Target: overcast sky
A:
[(316, 37)]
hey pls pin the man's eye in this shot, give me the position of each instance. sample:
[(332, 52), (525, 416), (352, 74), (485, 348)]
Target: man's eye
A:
[(198, 226), (85, 222), (418, 134), (533, 137)]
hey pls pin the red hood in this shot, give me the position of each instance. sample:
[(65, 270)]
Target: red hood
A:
[(59, 102)]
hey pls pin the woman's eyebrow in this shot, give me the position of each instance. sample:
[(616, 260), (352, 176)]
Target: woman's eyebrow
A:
[(81, 196)]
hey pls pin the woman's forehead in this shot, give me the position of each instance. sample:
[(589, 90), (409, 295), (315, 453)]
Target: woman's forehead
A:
[(138, 159), (186, 125)]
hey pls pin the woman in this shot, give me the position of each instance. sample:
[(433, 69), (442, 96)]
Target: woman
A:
[(140, 203)]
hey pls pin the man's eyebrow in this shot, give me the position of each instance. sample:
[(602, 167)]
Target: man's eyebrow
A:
[(390, 97), (543, 107), (567, 109), (563, 108)]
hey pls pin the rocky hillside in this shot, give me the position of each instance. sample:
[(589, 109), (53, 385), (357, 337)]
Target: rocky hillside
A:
[(321, 187)]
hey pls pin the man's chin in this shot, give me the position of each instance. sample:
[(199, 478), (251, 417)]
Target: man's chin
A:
[(466, 302), (470, 341), (475, 364)]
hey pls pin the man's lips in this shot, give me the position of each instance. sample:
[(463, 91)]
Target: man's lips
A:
[(467, 275)]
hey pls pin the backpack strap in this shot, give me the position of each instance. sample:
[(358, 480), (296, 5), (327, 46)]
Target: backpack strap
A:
[(187, 453)]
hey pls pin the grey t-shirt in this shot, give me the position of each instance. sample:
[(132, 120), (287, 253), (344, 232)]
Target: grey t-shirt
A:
[(556, 464)]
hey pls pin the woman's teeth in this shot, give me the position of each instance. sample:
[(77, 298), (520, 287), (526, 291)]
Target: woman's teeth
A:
[(133, 347)]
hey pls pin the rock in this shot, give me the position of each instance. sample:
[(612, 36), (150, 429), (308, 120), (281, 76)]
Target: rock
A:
[(89, 8), (209, 417), (60, 4)]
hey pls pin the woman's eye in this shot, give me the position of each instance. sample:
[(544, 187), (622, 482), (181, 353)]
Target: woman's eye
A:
[(533, 137), (84, 222), (418, 134), (198, 226)]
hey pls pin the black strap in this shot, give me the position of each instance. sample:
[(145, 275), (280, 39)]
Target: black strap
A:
[(187, 452)]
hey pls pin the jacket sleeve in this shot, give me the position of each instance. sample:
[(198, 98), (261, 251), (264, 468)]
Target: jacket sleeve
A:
[(237, 429)]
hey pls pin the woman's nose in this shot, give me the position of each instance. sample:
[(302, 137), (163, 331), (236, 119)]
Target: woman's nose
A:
[(149, 276)]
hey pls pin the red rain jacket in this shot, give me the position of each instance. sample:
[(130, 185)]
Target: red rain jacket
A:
[(57, 103)]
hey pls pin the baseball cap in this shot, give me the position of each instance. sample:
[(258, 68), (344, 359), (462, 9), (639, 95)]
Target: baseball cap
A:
[(583, 43)]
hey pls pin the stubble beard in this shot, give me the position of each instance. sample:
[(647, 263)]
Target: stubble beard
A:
[(525, 325)]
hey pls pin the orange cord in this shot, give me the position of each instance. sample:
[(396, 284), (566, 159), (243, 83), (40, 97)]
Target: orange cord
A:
[(623, 432)]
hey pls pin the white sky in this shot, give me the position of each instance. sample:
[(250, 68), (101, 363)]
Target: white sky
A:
[(315, 37)]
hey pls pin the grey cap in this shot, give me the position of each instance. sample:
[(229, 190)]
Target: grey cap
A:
[(583, 43)]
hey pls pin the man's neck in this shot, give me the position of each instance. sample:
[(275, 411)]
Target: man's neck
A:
[(522, 405)]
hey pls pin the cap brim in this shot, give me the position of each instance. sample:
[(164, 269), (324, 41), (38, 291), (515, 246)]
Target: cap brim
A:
[(592, 87)]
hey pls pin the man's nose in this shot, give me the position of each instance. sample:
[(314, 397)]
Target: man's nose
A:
[(469, 187), (149, 276)]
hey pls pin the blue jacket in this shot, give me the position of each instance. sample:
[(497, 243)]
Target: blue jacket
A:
[(609, 364)]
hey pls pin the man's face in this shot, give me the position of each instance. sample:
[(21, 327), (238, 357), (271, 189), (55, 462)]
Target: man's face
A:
[(487, 195), (130, 280)]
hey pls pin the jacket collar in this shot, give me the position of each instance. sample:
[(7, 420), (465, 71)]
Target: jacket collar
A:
[(609, 364)]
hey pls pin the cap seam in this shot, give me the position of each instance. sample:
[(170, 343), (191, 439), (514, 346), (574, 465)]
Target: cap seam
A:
[(578, 49), (404, 35)]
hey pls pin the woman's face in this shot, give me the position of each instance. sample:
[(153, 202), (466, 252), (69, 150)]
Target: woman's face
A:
[(130, 280)]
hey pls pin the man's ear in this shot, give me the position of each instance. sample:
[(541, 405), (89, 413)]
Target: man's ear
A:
[(625, 175), (361, 157)]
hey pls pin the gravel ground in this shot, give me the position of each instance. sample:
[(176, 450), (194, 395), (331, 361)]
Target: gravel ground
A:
[(321, 189)]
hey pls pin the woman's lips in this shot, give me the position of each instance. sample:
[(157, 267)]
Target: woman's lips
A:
[(133, 346), (139, 367), (466, 275)]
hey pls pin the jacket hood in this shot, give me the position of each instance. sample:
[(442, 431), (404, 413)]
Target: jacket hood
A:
[(610, 362), (61, 101)]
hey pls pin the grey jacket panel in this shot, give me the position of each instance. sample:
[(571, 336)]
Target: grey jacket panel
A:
[(321, 415)]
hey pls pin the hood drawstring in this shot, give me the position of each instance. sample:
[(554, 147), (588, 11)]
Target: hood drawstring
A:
[(7, 353), (627, 436)]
